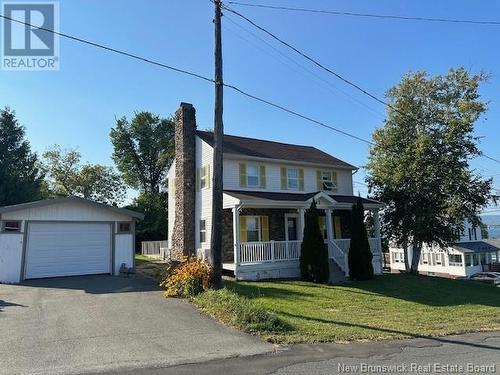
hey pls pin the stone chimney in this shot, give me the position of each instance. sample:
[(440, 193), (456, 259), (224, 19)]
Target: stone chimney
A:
[(183, 236)]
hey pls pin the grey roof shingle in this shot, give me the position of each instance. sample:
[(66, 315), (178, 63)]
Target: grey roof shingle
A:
[(478, 246), (274, 150)]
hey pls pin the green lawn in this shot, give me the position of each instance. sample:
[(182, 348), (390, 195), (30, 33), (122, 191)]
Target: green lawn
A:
[(139, 258), (391, 306)]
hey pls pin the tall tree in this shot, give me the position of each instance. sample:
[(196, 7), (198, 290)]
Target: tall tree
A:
[(313, 255), (360, 255), (419, 164), (67, 176), (143, 150), (20, 178)]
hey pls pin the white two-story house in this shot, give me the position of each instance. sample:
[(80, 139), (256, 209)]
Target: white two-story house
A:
[(267, 188), (469, 255)]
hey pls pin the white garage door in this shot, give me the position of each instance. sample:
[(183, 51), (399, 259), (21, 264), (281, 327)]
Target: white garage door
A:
[(66, 249)]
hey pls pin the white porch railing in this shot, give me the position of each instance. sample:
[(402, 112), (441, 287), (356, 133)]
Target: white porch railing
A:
[(268, 251), (338, 254)]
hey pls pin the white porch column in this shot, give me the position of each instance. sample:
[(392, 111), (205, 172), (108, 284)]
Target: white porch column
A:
[(302, 212), (376, 229), (329, 224), (236, 237)]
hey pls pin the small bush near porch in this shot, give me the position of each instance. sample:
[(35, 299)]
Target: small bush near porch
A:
[(389, 307)]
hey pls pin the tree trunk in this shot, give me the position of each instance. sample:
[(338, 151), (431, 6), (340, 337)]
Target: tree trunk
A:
[(406, 255), (415, 259)]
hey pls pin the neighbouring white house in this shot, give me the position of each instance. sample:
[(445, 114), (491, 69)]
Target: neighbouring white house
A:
[(267, 188), (469, 255), (64, 237)]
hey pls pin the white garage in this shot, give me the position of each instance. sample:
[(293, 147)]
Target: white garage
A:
[(64, 237)]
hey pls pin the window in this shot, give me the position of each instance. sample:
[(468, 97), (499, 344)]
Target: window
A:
[(11, 226), (203, 178), (455, 260), (425, 258), (468, 260), (123, 227), (475, 260), (293, 178), (327, 180), (203, 231), (253, 175), (253, 229)]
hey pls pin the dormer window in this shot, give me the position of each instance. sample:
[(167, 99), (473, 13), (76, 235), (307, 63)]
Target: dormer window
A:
[(327, 180)]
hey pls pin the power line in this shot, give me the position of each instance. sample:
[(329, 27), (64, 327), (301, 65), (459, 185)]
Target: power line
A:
[(317, 77), (322, 66), (368, 15), (199, 76)]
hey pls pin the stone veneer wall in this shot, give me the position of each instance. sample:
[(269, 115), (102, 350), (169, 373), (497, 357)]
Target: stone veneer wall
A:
[(183, 236), (276, 227)]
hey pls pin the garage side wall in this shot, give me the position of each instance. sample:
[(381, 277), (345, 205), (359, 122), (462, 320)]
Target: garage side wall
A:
[(11, 253), (124, 252)]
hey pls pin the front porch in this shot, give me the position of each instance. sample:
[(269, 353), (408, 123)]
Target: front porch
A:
[(262, 238)]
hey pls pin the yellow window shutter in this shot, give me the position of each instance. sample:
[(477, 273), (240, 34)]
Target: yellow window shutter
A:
[(319, 180), (243, 229), (264, 225), (207, 173), (284, 179), (301, 179), (197, 179), (334, 180), (243, 175), (338, 227), (262, 176)]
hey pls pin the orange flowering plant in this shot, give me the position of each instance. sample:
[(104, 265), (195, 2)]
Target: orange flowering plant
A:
[(187, 277)]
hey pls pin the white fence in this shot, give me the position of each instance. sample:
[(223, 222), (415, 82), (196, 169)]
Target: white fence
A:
[(154, 248), (268, 251)]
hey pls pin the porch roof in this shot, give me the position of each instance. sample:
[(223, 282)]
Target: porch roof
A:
[(487, 246), (266, 197)]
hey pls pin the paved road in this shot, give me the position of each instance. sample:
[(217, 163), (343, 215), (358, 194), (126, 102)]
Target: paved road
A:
[(98, 323), (324, 359)]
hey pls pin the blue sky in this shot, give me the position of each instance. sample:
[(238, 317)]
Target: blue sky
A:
[(76, 106)]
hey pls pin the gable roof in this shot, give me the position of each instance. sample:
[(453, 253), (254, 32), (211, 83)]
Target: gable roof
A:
[(48, 202), (273, 150)]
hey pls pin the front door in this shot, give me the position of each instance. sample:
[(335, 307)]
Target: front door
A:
[(291, 228)]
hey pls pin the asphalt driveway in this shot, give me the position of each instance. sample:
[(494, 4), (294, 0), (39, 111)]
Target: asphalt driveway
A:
[(99, 323)]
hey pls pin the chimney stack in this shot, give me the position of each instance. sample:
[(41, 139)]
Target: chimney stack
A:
[(183, 237)]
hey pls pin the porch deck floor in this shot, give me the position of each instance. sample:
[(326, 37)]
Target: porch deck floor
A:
[(228, 266)]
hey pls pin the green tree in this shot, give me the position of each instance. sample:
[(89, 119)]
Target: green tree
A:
[(419, 164), (20, 178), (360, 255), (314, 255), (67, 176), (143, 150)]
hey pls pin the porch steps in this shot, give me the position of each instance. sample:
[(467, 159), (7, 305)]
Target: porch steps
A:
[(336, 273)]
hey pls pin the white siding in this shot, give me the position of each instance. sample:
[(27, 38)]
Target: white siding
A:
[(273, 178), (11, 246), (124, 251), (431, 266), (203, 206)]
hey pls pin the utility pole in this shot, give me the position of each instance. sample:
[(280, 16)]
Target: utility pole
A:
[(217, 213)]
